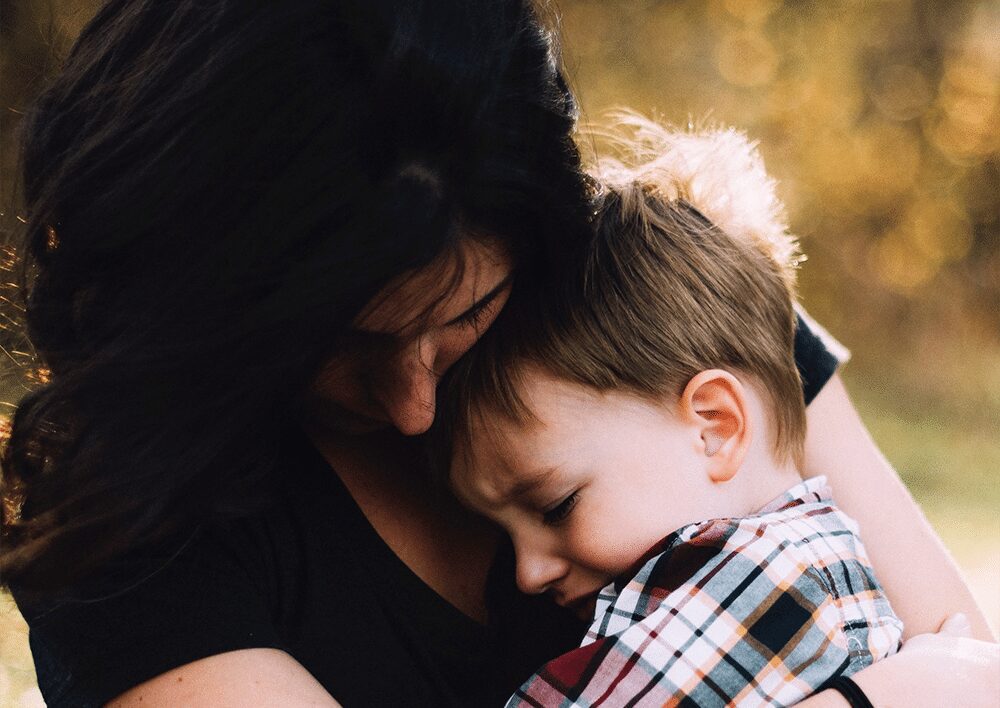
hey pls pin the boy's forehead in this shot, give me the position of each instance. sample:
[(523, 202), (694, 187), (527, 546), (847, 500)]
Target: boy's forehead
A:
[(497, 463), (521, 446), (487, 488), (553, 401)]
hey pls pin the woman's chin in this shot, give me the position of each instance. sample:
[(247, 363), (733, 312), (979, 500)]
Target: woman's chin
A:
[(335, 418), (362, 427)]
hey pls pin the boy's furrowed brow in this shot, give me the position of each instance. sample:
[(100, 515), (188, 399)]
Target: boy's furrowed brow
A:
[(530, 483), (482, 302)]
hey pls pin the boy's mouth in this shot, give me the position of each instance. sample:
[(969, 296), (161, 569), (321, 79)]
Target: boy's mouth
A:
[(582, 606)]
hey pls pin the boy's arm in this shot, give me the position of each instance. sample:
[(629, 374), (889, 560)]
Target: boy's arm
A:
[(754, 622)]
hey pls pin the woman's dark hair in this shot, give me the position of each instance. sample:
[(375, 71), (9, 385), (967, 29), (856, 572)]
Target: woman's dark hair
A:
[(213, 190)]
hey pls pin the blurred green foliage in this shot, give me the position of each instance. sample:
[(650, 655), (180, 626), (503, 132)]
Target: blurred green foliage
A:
[(881, 121)]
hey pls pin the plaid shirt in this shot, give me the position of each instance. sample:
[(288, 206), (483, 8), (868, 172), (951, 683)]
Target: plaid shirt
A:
[(752, 611)]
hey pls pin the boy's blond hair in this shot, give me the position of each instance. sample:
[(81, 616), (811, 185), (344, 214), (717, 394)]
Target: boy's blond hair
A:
[(690, 267)]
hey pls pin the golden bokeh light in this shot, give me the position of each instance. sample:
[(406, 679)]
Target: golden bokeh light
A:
[(746, 58), (901, 91)]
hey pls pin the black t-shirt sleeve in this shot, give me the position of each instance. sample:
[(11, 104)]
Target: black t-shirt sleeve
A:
[(200, 601), (817, 355)]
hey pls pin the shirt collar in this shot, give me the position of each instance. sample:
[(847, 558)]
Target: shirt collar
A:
[(808, 491)]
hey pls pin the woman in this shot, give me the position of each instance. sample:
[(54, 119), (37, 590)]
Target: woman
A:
[(258, 234)]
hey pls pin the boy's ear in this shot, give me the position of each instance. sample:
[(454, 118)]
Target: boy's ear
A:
[(715, 400)]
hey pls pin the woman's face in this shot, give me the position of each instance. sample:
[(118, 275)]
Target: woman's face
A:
[(403, 341)]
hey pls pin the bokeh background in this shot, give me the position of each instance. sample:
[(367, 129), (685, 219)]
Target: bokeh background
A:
[(881, 120)]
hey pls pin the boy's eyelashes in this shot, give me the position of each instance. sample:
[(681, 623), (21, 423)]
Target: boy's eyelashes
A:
[(560, 511)]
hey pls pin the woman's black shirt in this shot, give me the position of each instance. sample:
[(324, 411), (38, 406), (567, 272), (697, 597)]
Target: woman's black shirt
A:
[(309, 576)]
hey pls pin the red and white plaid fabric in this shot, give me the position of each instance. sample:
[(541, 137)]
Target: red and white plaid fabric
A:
[(755, 611)]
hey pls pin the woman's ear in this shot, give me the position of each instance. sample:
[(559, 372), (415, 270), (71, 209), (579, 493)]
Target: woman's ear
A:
[(716, 401)]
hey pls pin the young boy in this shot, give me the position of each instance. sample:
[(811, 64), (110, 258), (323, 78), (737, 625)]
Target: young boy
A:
[(639, 434)]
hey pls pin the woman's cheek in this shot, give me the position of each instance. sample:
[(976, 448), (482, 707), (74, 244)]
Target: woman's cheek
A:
[(347, 381), (452, 346), (456, 341)]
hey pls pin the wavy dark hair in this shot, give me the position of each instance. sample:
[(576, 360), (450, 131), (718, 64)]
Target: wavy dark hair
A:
[(213, 189)]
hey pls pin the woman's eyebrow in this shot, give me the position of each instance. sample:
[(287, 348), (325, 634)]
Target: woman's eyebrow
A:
[(482, 302)]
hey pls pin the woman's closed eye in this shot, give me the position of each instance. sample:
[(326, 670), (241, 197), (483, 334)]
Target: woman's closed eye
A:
[(479, 315), (561, 511), (474, 317)]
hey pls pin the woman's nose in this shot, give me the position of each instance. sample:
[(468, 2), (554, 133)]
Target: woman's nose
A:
[(409, 398), (537, 570)]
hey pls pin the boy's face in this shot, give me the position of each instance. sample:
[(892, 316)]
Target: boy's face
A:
[(589, 488)]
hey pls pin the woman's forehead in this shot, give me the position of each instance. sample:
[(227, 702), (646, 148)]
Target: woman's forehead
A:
[(439, 292)]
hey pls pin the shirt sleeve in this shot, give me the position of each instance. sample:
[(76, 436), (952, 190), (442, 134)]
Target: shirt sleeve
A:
[(817, 354), (753, 625), (198, 601)]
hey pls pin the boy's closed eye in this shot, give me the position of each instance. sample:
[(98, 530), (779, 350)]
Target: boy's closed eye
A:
[(562, 510)]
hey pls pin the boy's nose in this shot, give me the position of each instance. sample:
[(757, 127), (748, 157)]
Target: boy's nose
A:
[(538, 571)]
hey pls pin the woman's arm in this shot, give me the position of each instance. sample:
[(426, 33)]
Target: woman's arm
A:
[(250, 677), (932, 670), (919, 576)]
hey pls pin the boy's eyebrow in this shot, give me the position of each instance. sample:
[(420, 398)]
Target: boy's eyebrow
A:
[(529, 484), (482, 302)]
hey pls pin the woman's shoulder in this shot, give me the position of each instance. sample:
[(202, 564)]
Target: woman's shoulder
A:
[(194, 596), (223, 586)]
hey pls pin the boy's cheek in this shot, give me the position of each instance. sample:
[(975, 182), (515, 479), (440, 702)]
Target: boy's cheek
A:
[(616, 553), (601, 553)]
